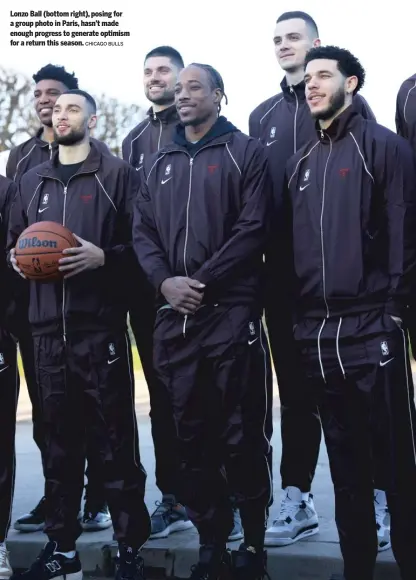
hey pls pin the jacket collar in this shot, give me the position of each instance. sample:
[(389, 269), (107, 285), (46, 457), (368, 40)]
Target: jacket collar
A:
[(90, 165), (290, 92), (40, 142), (339, 127), (167, 116)]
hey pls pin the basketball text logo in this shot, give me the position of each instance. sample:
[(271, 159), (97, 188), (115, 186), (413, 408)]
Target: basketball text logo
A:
[(34, 242)]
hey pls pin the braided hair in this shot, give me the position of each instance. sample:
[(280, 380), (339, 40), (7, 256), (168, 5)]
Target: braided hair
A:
[(215, 80)]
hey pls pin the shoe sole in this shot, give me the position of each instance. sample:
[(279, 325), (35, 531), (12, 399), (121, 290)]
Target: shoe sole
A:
[(276, 542), (384, 548), (28, 528), (176, 527), (96, 527), (235, 537)]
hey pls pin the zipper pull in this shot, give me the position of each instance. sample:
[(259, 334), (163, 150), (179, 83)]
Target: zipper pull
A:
[(50, 150), (191, 161), (154, 117), (291, 89), (322, 134), (65, 189)]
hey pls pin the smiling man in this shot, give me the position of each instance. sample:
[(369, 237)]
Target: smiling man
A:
[(352, 197), (284, 124), (51, 81), (201, 222), (82, 349)]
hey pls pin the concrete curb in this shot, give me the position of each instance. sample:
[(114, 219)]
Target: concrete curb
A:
[(314, 559)]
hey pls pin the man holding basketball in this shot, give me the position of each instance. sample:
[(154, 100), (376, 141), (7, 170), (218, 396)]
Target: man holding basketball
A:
[(50, 82), (9, 381), (82, 349)]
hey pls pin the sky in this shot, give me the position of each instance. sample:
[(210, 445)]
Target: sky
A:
[(236, 41)]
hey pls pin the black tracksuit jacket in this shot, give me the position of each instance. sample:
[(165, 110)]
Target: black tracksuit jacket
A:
[(352, 194)]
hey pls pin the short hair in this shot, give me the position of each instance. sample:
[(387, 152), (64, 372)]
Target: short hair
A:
[(348, 64), (215, 80), (87, 96), (56, 73), (169, 52), (302, 16)]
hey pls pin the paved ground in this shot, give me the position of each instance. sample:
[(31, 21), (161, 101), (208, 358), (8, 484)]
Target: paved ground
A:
[(315, 558)]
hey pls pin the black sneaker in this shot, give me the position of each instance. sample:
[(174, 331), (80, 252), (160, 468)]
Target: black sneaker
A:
[(49, 565), (129, 564), (33, 521), (168, 517), (96, 518), (248, 565), (213, 564)]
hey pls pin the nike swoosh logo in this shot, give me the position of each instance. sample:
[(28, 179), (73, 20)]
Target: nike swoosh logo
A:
[(302, 187), (270, 143), (42, 210), (5, 369), (383, 364), (252, 341), (110, 362), (165, 180)]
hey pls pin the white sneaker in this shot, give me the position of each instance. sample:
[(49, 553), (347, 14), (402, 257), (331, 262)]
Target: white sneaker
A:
[(382, 520), (5, 568), (297, 520)]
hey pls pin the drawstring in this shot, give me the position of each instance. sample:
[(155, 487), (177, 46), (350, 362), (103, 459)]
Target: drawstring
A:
[(184, 325), (337, 343), (319, 350)]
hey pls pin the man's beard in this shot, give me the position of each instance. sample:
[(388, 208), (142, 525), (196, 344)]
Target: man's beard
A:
[(167, 98), (74, 137), (336, 103)]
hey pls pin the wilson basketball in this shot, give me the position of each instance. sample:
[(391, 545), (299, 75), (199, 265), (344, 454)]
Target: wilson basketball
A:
[(39, 248)]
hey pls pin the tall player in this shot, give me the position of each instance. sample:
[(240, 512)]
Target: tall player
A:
[(284, 124)]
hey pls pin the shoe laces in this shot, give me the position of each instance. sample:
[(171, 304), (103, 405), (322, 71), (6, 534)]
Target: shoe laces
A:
[(162, 507), (3, 555), (288, 509)]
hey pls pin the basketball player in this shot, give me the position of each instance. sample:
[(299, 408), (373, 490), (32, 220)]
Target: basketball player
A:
[(284, 124), (9, 381), (51, 81), (82, 349), (200, 229)]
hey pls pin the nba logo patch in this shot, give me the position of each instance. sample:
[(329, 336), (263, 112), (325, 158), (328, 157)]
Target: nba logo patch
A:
[(111, 349), (272, 132), (307, 174), (168, 168), (384, 348), (1, 358), (141, 159), (45, 199), (251, 328)]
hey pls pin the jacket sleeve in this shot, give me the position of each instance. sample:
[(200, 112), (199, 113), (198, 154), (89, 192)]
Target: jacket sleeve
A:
[(125, 148), (250, 231), (11, 166), (17, 218), (121, 255), (363, 108), (400, 206), (253, 125), (146, 240)]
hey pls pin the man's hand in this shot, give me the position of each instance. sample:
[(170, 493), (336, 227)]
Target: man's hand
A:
[(180, 294), (14, 263), (85, 257)]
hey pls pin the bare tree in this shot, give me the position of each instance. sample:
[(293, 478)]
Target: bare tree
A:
[(18, 120), (115, 120)]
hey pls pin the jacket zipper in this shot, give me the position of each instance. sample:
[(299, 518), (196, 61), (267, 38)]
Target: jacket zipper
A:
[(160, 134), (191, 163), (295, 120), (321, 225), (50, 150)]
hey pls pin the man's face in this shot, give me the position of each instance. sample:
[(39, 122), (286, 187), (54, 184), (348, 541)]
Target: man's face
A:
[(72, 119), (159, 79), (326, 88), (46, 93), (292, 40), (195, 100)]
